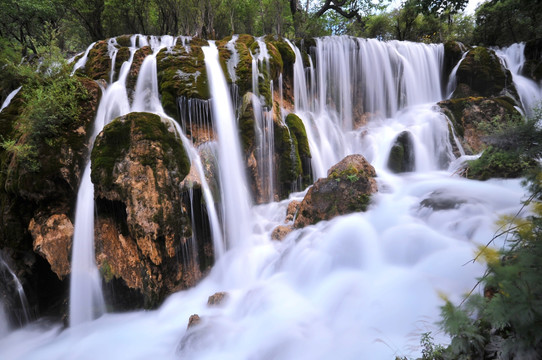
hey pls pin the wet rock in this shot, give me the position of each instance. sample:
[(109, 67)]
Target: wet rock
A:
[(347, 188), (481, 73), (476, 118), (193, 321), (281, 231), (182, 73), (144, 226), (217, 299), (453, 51), (291, 211), (401, 157), (53, 241)]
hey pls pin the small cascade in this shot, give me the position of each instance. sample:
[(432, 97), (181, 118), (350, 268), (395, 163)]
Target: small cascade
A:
[(452, 81), (10, 97), (86, 298), (234, 58), (112, 51), (7, 276), (146, 96), (195, 116), (233, 185), (529, 91), (301, 93), (263, 122), (83, 60)]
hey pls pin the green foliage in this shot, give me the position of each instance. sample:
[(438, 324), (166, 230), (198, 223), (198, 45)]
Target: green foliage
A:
[(506, 321), (503, 22), (51, 106)]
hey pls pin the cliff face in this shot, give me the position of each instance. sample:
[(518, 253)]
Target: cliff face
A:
[(144, 221)]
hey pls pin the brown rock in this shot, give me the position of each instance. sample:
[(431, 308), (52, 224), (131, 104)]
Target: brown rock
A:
[(52, 240), (281, 231), (217, 298), (193, 321), (291, 211), (347, 189)]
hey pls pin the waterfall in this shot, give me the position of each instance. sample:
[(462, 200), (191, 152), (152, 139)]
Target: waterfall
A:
[(529, 91), (233, 185), (10, 97), (359, 286), (23, 315), (83, 60), (86, 298)]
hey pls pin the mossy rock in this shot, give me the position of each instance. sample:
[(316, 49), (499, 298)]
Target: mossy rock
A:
[(115, 140), (124, 41), (123, 54), (497, 163), (482, 74), (299, 134), (453, 52), (98, 64), (347, 188), (182, 73), (287, 55), (401, 158), (243, 69), (246, 124), (139, 57)]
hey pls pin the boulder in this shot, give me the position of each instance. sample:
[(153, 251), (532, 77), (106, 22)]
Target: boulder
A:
[(217, 298), (144, 226), (401, 157), (347, 188), (291, 211), (281, 231), (481, 73)]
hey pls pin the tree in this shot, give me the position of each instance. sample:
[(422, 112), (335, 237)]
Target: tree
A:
[(24, 21), (350, 9)]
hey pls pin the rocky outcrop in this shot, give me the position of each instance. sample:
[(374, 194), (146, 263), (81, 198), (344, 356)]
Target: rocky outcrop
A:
[(453, 52), (144, 226), (347, 188), (482, 74), (182, 73), (475, 118), (53, 241)]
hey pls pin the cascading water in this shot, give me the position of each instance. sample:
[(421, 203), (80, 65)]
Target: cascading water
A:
[(529, 91), (233, 185), (364, 285), (86, 298), (83, 60), (10, 97), (7, 276)]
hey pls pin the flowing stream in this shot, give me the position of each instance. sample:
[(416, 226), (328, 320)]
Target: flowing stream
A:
[(360, 286)]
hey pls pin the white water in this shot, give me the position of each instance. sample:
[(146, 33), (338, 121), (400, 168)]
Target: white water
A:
[(83, 60), (23, 314), (529, 91), (233, 186), (361, 286), (10, 97)]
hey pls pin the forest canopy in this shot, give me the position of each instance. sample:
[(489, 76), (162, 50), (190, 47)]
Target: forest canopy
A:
[(31, 26)]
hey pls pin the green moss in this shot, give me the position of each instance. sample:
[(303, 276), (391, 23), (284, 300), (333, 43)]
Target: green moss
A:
[(113, 144), (123, 54), (244, 67), (106, 271), (98, 63), (117, 137), (246, 124), (289, 161), (124, 41), (295, 124), (483, 73), (496, 163), (286, 53), (349, 173), (182, 73)]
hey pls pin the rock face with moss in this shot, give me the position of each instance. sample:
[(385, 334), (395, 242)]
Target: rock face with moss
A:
[(482, 74), (182, 73), (144, 227), (474, 118), (347, 189)]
